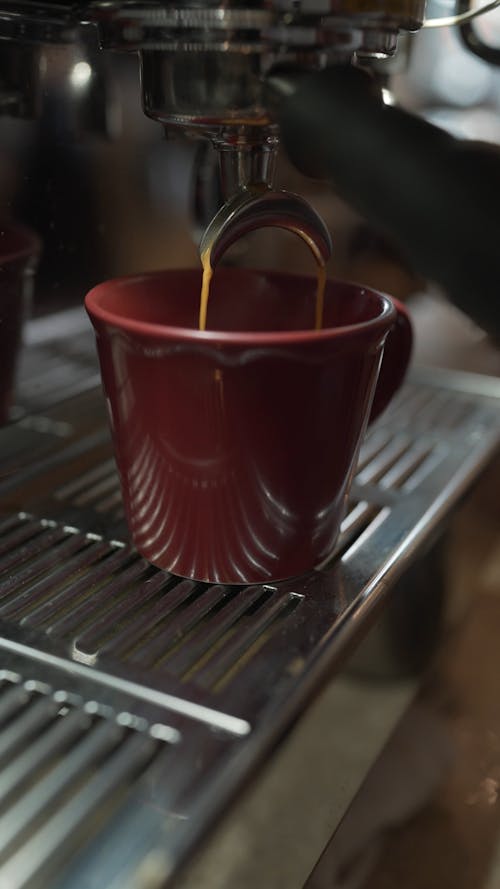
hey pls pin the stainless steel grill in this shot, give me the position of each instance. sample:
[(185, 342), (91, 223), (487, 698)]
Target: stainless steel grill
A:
[(62, 758), (133, 703), (57, 363)]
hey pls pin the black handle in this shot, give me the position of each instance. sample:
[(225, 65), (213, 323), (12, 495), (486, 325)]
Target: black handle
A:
[(436, 196)]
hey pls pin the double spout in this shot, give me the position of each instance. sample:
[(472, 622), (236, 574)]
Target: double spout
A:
[(247, 174)]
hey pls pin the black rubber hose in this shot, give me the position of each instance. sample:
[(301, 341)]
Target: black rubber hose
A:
[(435, 196)]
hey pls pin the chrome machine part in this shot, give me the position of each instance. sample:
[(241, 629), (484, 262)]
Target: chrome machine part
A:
[(251, 209), (135, 706), (203, 65), (25, 27), (247, 160), (220, 89)]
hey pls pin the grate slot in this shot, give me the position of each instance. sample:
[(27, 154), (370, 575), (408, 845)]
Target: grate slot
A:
[(458, 413), (102, 599), (18, 536), (357, 520), (132, 634), (51, 390), (80, 348), (405, 468), (211, 631), (12, 700), (155, 647), (407, 405), (423, 470), (107, 484), (54, 608), (433, 414), (444, 412), (105, 625), (56, 580), (373, 471), (88, 478), (38, 547), (119, 770), (38, 713), (243, 637), (46, 426), (11, 522), (58, 549), (49, 374), (373, 445), (109, 503), (32, 805), (41, 752), (356, 517), (46, 377)]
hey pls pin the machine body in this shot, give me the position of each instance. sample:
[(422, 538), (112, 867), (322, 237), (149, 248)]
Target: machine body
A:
[(231, 73), (204, 65)]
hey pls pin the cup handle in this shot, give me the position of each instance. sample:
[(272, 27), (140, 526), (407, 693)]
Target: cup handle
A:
[(395, 360)]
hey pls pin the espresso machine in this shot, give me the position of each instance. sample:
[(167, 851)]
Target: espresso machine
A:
[(244, 77), (156, 731), (204, 68)]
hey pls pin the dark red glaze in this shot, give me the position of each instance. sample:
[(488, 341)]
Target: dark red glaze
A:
[(19, 250), (236, 446)]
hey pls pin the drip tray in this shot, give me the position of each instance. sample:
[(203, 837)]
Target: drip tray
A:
[(134, 705)]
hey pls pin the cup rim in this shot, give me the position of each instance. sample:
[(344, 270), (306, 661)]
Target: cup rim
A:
[(31, 245), (187, 334)]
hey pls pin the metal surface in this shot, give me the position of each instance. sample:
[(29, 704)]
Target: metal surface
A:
[(258, 207), (57, 363), (156, 697)]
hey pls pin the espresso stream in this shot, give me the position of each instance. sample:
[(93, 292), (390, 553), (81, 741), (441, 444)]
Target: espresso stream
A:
[(320, 283)]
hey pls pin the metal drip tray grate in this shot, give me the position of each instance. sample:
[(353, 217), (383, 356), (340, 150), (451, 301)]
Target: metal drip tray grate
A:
[(63, 759), (68, 766), (100, 599), (185, 685), (57, 363)]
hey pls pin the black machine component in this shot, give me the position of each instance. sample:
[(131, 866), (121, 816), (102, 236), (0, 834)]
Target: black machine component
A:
[(434, 194)]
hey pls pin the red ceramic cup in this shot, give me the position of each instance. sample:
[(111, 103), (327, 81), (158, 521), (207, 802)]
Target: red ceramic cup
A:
[(19, 251), (236, 446)]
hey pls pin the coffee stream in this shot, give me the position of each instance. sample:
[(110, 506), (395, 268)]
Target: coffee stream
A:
[(320, 282), (205, 286)]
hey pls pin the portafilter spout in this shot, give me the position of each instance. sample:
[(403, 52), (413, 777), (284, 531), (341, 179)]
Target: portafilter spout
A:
[(258, 207), (238, 158)]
